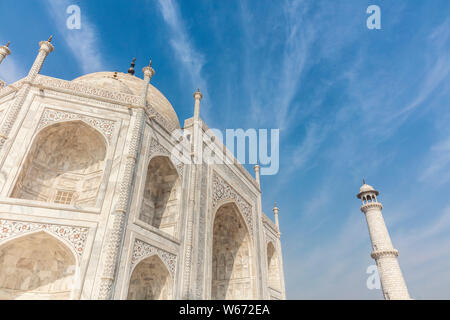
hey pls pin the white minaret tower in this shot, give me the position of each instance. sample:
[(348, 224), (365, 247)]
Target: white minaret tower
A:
[(392, 282), (4, 51)]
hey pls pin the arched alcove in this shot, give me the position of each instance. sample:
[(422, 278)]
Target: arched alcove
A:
[(160, 204), (150, 280), (36, 266), (232, 265), (64, 165), (273, 267)]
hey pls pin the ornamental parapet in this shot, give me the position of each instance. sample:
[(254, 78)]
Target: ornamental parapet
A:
[(269, 223), (382, 253), (371, 205), (105, 95)]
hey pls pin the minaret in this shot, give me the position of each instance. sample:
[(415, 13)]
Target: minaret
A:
[(197, 97), (257, 178), (116, 232), (275, 214), (392, 282), (4, 51), (45, 47)]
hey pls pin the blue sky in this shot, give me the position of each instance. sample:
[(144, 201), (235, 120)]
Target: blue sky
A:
[(350, 103)]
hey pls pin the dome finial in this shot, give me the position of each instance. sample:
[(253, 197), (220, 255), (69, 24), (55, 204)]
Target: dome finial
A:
[(131, 70), (7, 45), (150, 63), (364, 181), (50, 39)]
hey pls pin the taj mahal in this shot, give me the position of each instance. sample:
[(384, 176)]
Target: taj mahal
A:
[(96, 205), (93, 205)]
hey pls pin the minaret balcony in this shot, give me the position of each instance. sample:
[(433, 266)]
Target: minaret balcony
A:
[(371, 205), (381, 253)]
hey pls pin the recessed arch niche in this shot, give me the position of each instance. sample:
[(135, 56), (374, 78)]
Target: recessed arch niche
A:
[(65, 165), (232, 262), (160, 203), (150, 280), (273, 267), (36, 266)]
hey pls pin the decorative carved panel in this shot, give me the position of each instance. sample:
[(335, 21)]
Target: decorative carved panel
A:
[(75, 235), (51, 116), (222, 191), (142, 250)]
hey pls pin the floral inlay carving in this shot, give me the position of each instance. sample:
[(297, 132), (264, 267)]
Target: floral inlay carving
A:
[(223, 191), (142, 250), (75, 235), (50, 116)]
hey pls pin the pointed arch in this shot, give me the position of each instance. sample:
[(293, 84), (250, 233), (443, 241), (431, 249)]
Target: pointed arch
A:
[(273, 267), (65, 165), (160, 202), (232, 261), (36, 266), (150, 280)]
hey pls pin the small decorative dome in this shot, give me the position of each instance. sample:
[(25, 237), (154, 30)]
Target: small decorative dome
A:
[(366, 188), (129, 84)]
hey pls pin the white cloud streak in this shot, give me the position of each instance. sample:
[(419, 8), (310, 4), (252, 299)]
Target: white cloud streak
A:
[(83, 43), (188, 56), (11, 70)]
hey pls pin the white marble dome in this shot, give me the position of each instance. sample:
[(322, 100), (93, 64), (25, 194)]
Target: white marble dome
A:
[(126, 83)]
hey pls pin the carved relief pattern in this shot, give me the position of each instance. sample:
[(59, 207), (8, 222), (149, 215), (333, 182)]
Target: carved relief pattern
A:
[(201, 237), (269, 224), (142, 250), (123, 98), (11, 88), (236, 180), (169, 125), (82, 88), (223, 191), (158, 149), (13, 111), (50, 115), (75, 235), (116, 231)]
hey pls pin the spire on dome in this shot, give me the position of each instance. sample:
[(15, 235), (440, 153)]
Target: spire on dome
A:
[(131, 70), (364, 181), (7, 45), (50, 39)]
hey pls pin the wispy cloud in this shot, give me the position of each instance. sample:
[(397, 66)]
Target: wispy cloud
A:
[(437, 169), (307, 149), (11, 70), (83, 43), (188, 56), (438, 68)]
